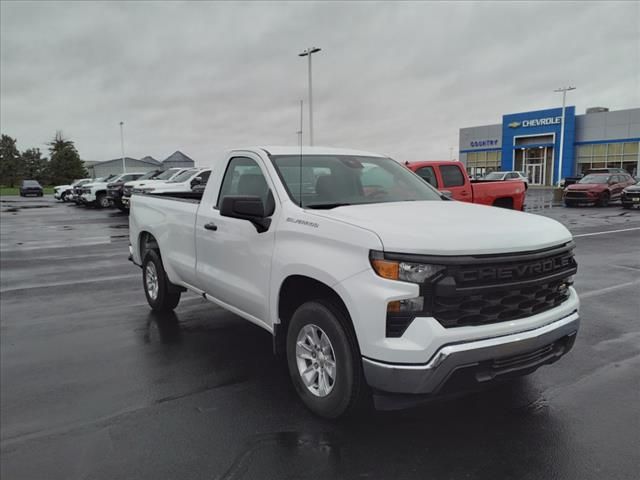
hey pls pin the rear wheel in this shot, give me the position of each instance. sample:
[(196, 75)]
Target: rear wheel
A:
[(162, 295), (324, 360), (604, 200)]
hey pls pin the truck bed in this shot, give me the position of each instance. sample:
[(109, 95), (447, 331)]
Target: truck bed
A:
[(194, 197)]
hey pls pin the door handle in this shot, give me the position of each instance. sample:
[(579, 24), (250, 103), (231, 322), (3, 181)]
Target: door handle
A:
[(210, 226)]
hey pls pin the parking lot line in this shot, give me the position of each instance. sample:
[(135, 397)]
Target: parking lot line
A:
[(71, 282), (607, 231), (602, 291)]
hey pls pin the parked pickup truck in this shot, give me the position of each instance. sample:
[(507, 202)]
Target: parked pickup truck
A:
[(369, 279), (452, 177)]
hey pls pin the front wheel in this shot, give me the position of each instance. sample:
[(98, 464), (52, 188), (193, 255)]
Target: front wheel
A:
[(324, 360), (102, 201), (604, 200), (162, 295)]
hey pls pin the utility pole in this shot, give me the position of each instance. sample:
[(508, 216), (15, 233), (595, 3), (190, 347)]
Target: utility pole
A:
[(564, 91), (299, 132), (124, 166), (307, 53)]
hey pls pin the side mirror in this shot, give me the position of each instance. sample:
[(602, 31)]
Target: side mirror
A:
[(447, 194), (196, 181), (246, 207)]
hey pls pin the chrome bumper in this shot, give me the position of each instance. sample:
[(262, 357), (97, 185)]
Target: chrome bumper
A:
[(482, 360)]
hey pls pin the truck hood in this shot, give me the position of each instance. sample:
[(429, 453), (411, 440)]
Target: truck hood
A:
[(451, 228), (140, 183), (587, 186), (95, 185)]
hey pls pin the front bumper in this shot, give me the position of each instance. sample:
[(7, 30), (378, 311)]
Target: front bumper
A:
[(630, 199), (478, 360), (88, 198)]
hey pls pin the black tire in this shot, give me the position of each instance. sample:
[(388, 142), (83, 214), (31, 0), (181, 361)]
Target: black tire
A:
[(603, 201), (121, 207), (167, 295), (349, 392), (63, 197), (102, 201)]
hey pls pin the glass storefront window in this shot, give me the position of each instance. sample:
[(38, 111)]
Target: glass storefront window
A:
[(584, 159), (600, 149), (585, 150), (472, 159), (614, 149), (614, 160), (631, 147)]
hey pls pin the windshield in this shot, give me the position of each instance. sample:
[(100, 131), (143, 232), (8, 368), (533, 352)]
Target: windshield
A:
[(31, 183), (335, 180), (595, 179), (106, 179), (184, 176), (167, 174), (494, 176), (150, 175)]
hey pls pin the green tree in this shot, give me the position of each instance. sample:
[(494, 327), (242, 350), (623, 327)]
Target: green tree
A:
[(10, 162), (34, 166), (65, 164)]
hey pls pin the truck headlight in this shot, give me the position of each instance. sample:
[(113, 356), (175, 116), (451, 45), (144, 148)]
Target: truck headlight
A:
[(403, 271)]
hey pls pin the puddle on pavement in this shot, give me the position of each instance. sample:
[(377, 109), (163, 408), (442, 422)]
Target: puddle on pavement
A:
[(22, 207)]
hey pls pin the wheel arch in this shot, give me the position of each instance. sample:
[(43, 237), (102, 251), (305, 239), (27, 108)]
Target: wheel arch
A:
[(296, 290), (146, 242)]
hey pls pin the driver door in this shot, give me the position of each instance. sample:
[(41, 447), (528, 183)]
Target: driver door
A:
[(233, 260)]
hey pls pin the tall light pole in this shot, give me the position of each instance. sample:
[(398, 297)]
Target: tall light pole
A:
[(564, 91), (307, 53), (124, 167)]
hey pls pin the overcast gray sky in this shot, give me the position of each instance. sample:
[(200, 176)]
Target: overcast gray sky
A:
[(395, 78)]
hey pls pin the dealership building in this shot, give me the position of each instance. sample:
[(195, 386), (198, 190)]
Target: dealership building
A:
[(530, 142)]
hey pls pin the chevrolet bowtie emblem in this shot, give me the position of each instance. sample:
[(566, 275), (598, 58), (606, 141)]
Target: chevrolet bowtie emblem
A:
[(514, 124)]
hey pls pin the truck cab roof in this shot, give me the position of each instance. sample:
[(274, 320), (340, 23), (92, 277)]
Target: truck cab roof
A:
[(306, 150)]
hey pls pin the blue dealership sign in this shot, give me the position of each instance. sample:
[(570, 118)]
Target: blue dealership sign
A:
[(541, 122)]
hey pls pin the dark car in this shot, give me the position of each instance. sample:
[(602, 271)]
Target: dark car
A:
[(597, 189), (31, 187), (631, 196), (115, 190)]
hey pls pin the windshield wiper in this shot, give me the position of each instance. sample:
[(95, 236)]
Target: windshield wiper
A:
[(327, 206)]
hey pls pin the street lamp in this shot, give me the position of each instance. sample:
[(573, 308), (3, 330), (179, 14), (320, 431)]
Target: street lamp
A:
[(307, 53), (564, 91), (124, 167)]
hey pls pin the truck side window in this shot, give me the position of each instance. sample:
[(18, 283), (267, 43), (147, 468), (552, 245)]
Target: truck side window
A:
[(429, 175), (243, 177), (451, 176)]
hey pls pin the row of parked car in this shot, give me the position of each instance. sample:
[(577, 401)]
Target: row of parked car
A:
[(116, 190), (600, 187)]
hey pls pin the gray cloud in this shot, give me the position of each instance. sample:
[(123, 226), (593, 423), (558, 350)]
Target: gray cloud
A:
[(398, 78)]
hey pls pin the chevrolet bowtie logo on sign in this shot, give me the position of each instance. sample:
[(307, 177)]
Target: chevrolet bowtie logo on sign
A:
[(514, 124)]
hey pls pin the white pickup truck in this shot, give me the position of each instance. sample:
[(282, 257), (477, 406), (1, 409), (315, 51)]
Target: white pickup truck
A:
[(370, 281)]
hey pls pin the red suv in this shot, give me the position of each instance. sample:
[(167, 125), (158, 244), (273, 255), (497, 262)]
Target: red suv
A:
[(597, 189)]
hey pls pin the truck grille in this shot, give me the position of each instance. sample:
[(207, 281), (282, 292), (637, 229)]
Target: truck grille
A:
[(576, 194), (485, 289), (499, 305)]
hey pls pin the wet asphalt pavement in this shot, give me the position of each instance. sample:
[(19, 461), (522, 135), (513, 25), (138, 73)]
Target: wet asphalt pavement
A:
[(94, 386)]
